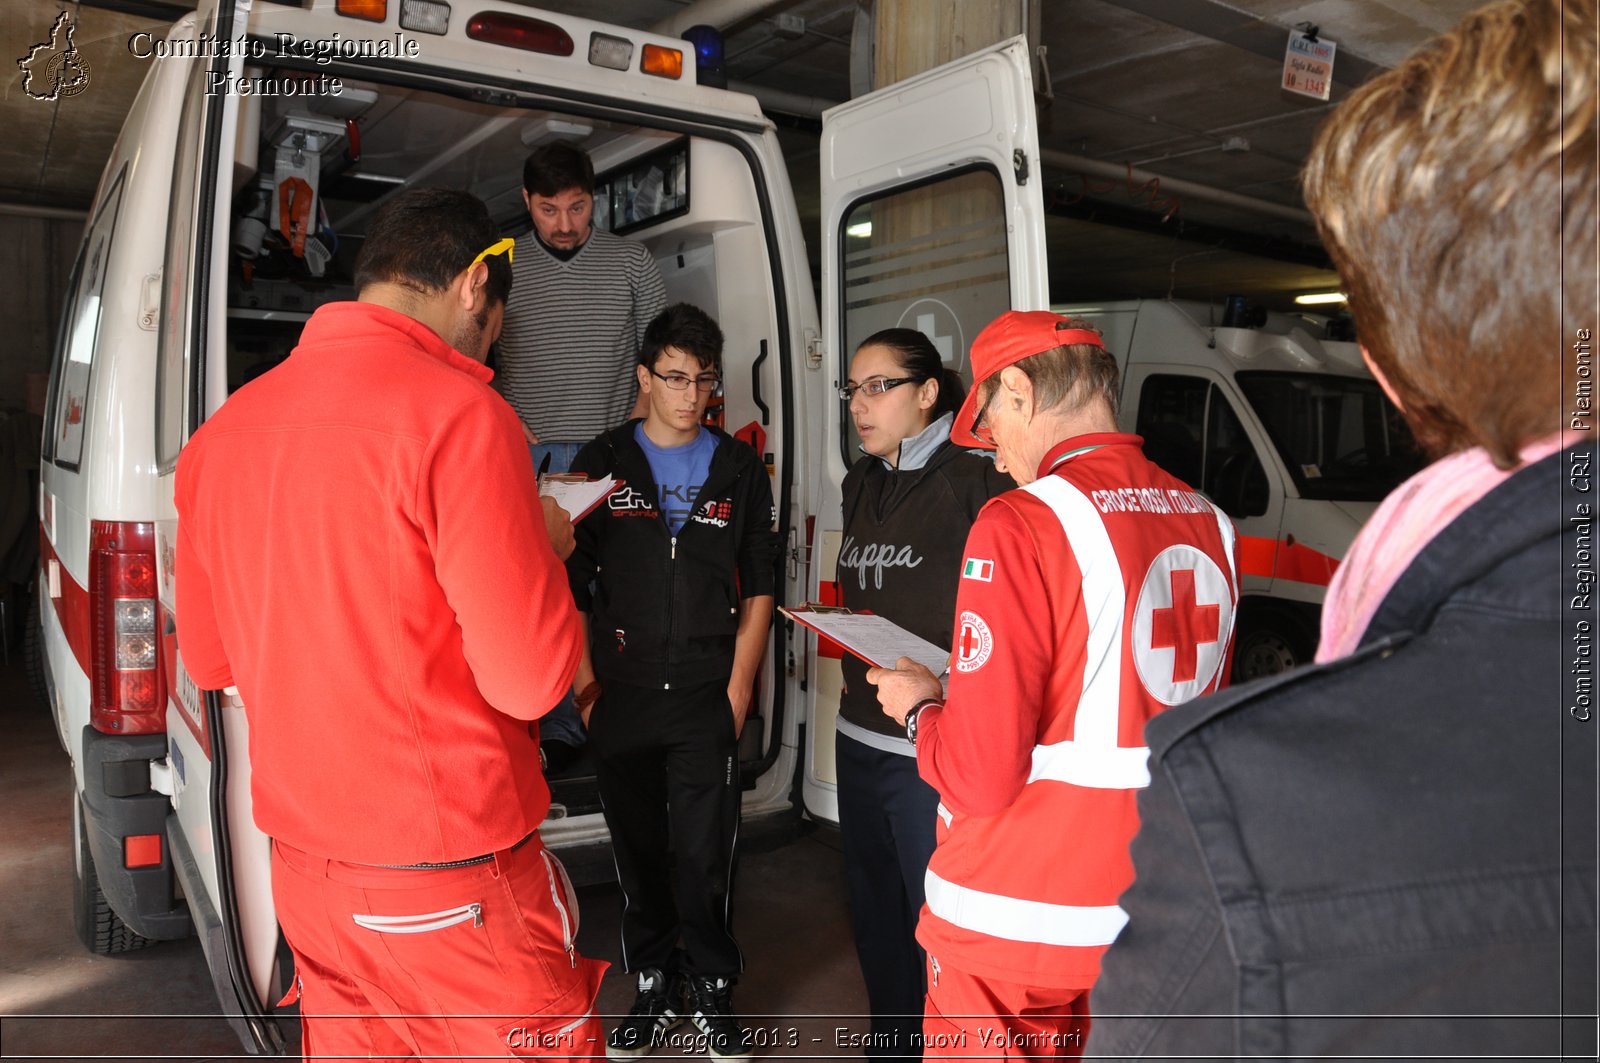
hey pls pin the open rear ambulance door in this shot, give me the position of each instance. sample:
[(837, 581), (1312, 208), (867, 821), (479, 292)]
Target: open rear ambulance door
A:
[(223, 861), (932, 219)]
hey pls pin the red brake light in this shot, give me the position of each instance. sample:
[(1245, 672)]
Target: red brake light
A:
[(134, 576), (127, 693), (519, 31)]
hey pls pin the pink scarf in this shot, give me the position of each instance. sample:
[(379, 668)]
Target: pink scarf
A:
[(1407, 521)]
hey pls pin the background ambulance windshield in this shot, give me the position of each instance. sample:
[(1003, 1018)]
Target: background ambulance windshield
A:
[(1340, 438)]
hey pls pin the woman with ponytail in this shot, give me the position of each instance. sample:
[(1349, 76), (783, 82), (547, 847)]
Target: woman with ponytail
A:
[(908, 503)]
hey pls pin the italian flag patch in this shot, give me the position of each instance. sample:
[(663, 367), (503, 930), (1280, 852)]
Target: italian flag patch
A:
[(978, 568)]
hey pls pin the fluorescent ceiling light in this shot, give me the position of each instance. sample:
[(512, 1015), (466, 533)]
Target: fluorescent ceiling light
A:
[(860, 230), (1319, 298)]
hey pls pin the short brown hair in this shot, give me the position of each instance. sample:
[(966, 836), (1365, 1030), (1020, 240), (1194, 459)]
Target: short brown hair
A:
[(1456, 194), (1074, 373)]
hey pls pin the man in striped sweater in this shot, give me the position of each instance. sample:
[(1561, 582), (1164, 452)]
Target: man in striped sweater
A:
[(573, 329), (575, 321)]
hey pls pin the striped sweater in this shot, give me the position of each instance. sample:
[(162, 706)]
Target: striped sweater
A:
[(572, 334)]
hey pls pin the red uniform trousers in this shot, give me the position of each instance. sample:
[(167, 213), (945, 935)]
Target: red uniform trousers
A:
[(449, 963), (972, 1017)]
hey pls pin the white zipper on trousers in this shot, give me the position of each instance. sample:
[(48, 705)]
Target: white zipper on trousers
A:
[(421, 924), (560, 890)]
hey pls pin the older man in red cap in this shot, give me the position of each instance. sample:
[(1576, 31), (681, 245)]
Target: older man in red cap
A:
[(1100, 593)]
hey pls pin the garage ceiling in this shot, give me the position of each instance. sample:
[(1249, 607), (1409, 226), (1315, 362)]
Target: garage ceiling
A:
[(1183, 90)]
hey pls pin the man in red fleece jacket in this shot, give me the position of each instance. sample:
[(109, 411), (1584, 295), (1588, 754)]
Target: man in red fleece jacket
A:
[(361, 554), (1095, 596)]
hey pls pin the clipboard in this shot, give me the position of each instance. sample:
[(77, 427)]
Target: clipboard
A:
[(874, 639), (576, 493)]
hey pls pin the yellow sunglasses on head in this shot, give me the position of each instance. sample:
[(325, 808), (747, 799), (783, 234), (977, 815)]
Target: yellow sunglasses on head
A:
[(494, 249)]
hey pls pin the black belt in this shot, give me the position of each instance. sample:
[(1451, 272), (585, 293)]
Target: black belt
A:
[(468, 862)]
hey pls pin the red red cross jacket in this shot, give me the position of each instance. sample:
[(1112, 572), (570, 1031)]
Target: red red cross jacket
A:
[(1090, 600)]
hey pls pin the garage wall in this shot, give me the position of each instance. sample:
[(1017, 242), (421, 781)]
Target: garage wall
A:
[(35, 258)]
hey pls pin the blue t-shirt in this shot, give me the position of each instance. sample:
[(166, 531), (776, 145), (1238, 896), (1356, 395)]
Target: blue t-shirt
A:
[(679, 473)]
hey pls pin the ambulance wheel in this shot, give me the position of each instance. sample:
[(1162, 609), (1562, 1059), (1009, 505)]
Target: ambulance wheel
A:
[(1269, 643), (33, 660), (101, 930)]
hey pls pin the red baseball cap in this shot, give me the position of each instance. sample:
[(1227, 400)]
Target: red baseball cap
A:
[(1007, 340)]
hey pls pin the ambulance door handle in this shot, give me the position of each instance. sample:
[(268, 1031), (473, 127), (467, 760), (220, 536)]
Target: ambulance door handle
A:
[(150, 302), (755, 385)]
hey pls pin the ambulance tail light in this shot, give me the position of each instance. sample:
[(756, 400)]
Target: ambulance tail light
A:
[(520, 31), (125, 681), (366, 10), (661, 61)]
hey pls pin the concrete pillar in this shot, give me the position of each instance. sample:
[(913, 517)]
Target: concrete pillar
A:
[(910, 36)]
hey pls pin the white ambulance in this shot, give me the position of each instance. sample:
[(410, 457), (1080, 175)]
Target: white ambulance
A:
[(1277, 419), (263, 139)]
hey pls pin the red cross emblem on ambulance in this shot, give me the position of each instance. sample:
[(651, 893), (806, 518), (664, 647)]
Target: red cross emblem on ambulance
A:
[(1182, 624)]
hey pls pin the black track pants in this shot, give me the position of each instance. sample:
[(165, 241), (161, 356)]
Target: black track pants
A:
[(668, 770)]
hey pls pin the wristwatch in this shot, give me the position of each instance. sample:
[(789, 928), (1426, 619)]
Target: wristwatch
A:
[(911, 717)]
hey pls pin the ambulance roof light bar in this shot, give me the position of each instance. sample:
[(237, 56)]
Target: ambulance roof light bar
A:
[(520, 31)]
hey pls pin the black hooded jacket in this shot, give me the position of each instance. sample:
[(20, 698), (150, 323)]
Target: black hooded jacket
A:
[(664, 609)]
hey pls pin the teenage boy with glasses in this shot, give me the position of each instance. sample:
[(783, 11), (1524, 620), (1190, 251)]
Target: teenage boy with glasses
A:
[(675, 576)]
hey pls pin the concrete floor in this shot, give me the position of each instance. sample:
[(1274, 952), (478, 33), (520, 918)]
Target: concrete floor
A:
[(59, 1002)]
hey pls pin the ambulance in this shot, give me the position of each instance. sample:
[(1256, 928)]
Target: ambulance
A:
[(264, 138), (1276, 418)]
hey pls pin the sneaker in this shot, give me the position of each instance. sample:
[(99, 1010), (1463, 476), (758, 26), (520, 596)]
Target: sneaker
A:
[(657, 1009), (710, 1008)]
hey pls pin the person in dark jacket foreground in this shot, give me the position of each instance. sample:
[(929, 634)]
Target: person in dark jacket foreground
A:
[(1393, 852), (675, 574), (908, 504)]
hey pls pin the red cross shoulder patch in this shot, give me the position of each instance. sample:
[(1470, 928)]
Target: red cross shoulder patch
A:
[(1182, 624), (974, 642)]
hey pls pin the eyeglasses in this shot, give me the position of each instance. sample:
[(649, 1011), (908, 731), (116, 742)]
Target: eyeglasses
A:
[(707, 382), (874, 387), (495, 248), (981, 431)]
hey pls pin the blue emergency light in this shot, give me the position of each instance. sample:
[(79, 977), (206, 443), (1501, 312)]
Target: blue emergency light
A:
[(707, 41)]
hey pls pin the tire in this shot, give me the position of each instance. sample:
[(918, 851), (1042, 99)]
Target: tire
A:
[(101, 930), (1271, 642), (33, 659)]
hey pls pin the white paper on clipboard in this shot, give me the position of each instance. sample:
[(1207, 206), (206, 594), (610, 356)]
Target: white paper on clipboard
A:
[(874, 639), (578, 497)]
